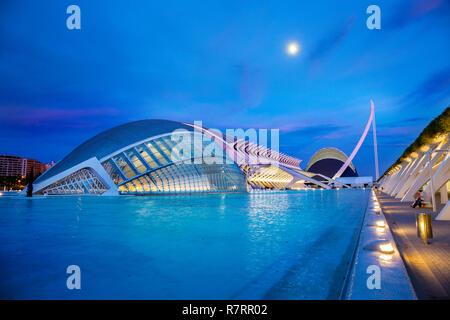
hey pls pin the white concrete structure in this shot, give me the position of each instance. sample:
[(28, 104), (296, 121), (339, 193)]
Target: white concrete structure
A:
[(370, 122), (406, 179), (356, 181)]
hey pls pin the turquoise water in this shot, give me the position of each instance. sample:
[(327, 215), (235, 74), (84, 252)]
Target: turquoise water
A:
[(287, 245)]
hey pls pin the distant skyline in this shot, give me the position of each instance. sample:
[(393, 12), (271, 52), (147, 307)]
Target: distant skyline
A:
[(224, 63)]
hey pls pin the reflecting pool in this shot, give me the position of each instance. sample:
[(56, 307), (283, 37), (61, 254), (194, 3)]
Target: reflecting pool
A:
[(285, 245)]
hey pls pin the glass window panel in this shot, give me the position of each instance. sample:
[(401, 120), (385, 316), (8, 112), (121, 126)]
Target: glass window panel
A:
[(131, 187), (152, 185), (112, 171), (163, 148), (174, 152), (169, 142), (137, 163), (138, 185), (156, 153), (144, 184), (144, 154), (123, 165)]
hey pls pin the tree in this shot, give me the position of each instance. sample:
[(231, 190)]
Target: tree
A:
[(440, 125)]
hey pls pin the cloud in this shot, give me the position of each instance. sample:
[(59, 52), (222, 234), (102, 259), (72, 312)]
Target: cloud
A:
[(432, 90), (408, 11), (413, 120), (398, 131), (37, 119), (328, 43), (323, 131)]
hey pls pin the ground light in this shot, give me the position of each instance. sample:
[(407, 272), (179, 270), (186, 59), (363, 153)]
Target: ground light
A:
[(386, 257), (380, 223), (386, 247)]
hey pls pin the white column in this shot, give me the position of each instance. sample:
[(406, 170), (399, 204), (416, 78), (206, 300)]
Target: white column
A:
[(444, 195), (445, 213), (375, 147)]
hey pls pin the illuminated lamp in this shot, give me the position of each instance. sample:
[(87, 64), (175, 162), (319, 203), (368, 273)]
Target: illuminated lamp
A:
[(386, 247), (386, 257), (423, 226), (380, 224)]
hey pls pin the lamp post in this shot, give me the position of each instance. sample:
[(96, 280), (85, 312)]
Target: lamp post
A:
[(433, 200), (423, 226)]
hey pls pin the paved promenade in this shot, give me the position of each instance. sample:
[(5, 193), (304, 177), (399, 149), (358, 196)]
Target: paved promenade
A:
[(428, 265)]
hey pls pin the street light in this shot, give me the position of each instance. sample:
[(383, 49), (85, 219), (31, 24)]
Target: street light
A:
[(423, 226)]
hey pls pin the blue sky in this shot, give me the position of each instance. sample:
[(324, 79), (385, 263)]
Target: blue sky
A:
[(223, 62)]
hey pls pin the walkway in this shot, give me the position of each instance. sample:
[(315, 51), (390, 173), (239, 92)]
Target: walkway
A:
[(428, 265)]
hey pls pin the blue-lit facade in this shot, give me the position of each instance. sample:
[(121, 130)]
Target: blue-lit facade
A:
[(156, 166), (141, 158)]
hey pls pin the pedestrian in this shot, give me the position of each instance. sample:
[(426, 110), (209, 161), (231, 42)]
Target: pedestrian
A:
[(418, 201)]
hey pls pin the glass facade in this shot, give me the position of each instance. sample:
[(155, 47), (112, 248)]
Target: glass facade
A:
[(269, 177), (147, 158), (160, 158), (158, 166), (137, 163), (188, 178), (110, 168), (83, 181), (124, 166)]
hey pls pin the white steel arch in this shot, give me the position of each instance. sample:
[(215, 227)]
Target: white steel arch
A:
[(358, 145)]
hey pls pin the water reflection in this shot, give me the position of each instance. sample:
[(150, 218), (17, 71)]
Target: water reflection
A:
[(179, 247)]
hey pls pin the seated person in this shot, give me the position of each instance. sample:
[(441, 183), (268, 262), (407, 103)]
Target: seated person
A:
[(418, 201)]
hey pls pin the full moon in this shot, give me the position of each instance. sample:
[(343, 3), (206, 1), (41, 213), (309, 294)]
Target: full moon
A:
[(292, 48)]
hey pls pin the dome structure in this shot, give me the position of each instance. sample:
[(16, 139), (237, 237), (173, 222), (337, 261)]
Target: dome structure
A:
[(328, 161), (141, 157), (113, 139)]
